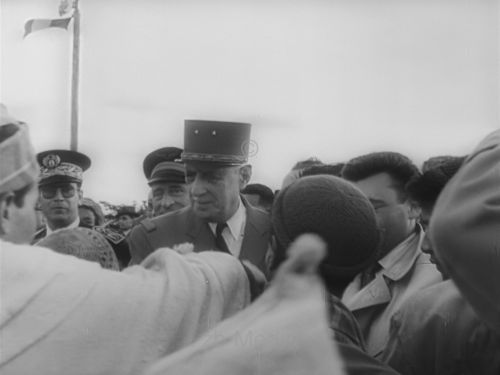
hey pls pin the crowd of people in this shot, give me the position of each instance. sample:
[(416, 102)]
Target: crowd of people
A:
[(366, 266)]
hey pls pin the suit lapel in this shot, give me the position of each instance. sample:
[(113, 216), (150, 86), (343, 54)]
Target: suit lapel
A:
[(199, 233), (256, 232)]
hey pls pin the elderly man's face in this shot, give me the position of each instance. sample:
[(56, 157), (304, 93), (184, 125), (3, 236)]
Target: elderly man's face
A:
[(215, 191), (20, 223), (59, 203), (168, 197), (396, 216)]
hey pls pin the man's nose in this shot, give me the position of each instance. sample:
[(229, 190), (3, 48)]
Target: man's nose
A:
[(58, 195), (426, 245), (167, 200), (198, 187)]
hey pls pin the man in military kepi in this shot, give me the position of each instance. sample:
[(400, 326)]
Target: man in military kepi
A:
[(165, 173), (219, 217), (60, 186), (60, 181)]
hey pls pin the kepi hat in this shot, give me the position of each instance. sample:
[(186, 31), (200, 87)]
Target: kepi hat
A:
[(164, 165), (225, 143), (62, 166)]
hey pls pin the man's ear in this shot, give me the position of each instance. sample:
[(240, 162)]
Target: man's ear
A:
[(245, 175), (5, 202), (414, 210)]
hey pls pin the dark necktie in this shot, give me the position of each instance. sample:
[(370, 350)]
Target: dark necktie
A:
[(220, 243)]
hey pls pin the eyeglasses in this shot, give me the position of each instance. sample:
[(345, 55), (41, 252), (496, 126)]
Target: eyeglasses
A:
[(49, 192)]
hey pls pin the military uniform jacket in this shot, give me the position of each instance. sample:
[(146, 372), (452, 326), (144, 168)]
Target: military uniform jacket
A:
[(184, 226), (115, 239)]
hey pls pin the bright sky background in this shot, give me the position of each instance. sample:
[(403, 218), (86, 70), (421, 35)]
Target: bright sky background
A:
[(326, 78)]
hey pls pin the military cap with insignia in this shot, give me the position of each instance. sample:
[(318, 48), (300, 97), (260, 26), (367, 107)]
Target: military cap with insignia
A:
[(62, 166), (164, 165), (225, 143)]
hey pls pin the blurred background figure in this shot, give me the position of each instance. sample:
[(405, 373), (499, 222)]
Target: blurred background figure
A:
[(90, 213), (126, 219), (330, 169), (294, 173), (166, 177), (260, 196), (40, 219)]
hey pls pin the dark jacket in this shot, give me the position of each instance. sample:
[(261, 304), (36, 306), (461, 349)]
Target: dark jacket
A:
[(184, 226), (465, 229), (438, 333), (116, 240)]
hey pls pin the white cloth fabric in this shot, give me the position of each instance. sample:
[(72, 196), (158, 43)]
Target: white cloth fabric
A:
[(18, 165), (234, 232), (63, 315), (284, 332)]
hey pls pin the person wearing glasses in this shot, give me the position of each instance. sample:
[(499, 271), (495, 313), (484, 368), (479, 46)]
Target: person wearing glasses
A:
[(60, 183), (60, 196)]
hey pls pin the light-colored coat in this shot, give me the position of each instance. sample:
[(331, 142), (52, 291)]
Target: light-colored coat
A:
[(405, 270), (63, 315)]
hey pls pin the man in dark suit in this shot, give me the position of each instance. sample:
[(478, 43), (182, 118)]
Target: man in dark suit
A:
[(219, 218)]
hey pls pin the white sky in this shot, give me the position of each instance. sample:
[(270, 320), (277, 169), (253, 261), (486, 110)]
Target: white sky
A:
[(326, 78)]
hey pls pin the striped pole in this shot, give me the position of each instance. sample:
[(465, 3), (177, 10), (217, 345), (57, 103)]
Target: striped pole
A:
[(75, 76)]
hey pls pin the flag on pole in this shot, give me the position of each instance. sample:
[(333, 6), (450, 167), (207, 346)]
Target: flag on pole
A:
[(64, 7), (38, 24)]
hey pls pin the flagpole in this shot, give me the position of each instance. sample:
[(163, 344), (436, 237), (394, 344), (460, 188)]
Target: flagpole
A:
[(75, 76)]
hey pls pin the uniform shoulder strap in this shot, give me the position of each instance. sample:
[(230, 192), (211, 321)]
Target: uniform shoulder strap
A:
[(111, 235)]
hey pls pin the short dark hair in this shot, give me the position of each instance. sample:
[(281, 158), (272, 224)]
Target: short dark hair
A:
[(306, 163), (437, 171), (265, 193), (397, 165), (329, 169)]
